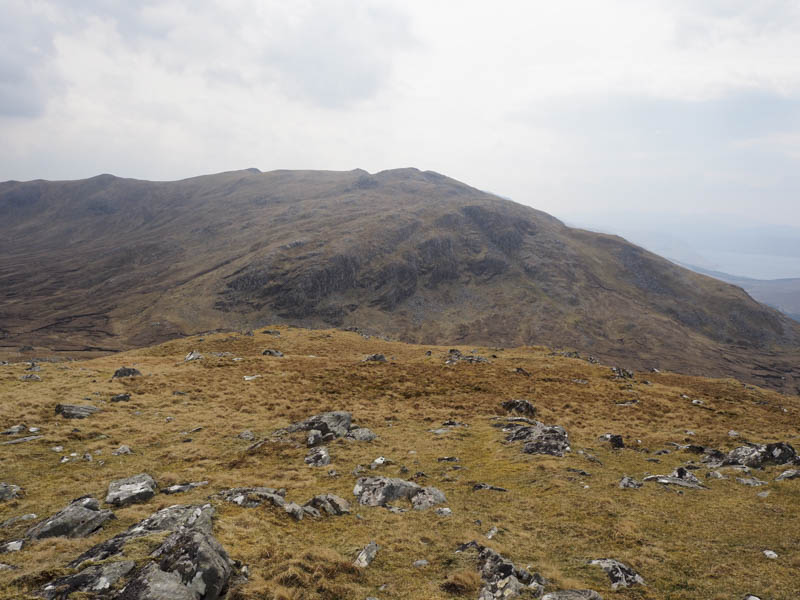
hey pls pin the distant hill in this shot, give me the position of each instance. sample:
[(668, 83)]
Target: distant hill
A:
[(783, 294), (109, 263)]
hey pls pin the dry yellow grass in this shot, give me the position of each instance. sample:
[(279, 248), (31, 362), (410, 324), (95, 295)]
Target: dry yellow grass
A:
[(694, 545)]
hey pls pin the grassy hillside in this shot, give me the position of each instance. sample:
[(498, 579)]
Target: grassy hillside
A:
[(183, 419)]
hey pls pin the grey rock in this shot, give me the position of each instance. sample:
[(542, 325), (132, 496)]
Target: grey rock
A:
[(294, 510), (122, 450), (15, 430), (121, 398), (360, 434), (751, 481), (520, 407), (131, 490), (14, 520), (754, 455), (374, 358), (97, 579), (74, 411), (272, 352), (22, 440), (420, 563), (126, 372), (770, 554), (485, 486), (13, 546), (250, 497), (173, 518), (180, 488), (444, 512), (620, 574), (715, 475), (318, 457), (336, 423), (193, 355), (80, 518), (330, 504), (315, 438), (247, 435), (502, 579), (367, 555), (788, 474), (630, 483), (379, 491), (539, 438), (30, 377), (573, 595)]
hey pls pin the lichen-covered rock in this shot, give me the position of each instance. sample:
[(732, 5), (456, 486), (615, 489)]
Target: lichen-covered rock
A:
[(250, 497), (620, 574), (538, 438), (131, 490), (78, 519), (374, 358), (754, 455), (94, 580), (379, 491), (74, 411), (193, 355)]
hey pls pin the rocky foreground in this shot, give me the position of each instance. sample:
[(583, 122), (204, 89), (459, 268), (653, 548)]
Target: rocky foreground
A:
[(287, 463)]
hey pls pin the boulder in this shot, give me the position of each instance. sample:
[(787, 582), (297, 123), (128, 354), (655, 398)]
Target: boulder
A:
[(379, 491), (250, 497), (620, 574), (131, 490), (630, 483), (97, 579), (74, 411), (126, 372), (366, 556), (538, 438), (80, 518), (9, 491), (336, 423), (754, 455), (520, 407), (329, 503), (318, 457), (360, 434)]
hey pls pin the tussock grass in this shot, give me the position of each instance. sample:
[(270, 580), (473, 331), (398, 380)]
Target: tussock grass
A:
[(691, 545)]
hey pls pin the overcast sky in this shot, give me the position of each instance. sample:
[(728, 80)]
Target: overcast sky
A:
[(574, 107)]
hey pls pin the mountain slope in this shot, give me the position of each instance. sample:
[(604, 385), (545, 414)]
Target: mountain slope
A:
[(110, 263)]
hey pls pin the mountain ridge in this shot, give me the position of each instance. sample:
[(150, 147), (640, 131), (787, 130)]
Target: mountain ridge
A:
[(115, 263)]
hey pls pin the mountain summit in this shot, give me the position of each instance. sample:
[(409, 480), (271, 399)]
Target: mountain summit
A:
[(109, 263)]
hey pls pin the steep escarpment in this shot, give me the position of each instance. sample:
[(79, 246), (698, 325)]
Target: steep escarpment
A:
[(110, 263)]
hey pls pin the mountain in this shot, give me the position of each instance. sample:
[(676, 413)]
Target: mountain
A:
[(107, 264), (783, 294), (446, 427)]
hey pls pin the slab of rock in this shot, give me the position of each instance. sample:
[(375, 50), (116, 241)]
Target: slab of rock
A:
[(366, 556), (788, 474), (272, 352), (620, 574), (180, 488), (538, 438), (80, 518), (330, 504), (250, 497), (360, 434), (9, 491), (75, 411), (379, 491), (520, 407), (121, 398), (193, 355), (318, 457), (126, 372), (573, 595), (630, 483), (485, 486), (97, 579), (131, 490), (22, 440)]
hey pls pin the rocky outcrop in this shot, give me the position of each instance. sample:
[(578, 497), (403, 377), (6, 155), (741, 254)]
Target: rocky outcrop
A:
[(131, 490), (754, 456), (620, 574), (97, 580), (75, 411), (537, 438), (360, 434), (379, 491), (335, 424)]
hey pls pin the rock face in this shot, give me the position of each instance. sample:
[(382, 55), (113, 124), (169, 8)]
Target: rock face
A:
[(250, 497), (367, 555), (520, 407), (189, 564), (538, 438), (620, 574), (131, 490), (501, 578), (74, 411), (126, 372), (9, 491), (80, 518), (379, 491)]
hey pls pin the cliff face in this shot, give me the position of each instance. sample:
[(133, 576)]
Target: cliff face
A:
[(110, 263)]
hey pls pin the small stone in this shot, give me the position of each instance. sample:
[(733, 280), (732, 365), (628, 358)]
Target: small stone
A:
[(15, 430), (30, 377), (272, 352), (420, 563), (374, 358), (193, 355), (444, 512), (629, 483), (9, 491), (318, 457), (751, 481), (74, 411), (183, 487), (367, 555), (491, 533), (122, 450), (620, 574), (247, 435), (770, 554), (121, 398)]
